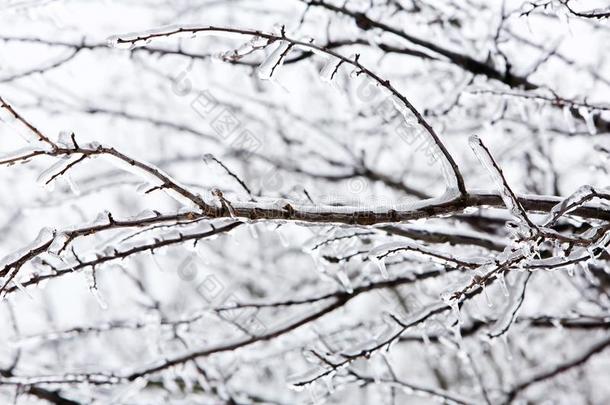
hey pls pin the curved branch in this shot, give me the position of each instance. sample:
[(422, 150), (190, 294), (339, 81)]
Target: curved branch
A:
[(135, 39)]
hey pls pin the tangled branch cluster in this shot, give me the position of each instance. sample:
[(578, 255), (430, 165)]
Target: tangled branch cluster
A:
[(309, 201)]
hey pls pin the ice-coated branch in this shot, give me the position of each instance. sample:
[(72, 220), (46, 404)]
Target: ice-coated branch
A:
[(347, 215), (462, 60), (556, 100), (51, 396), (593, 14), (338, 300), (323, 214), (230, 173), (383, 251), (114, 255), (459, 59), (163, 180), (558, 369), (15, 115), (454, 180), (508, 195), (574, 200), (58, 241)]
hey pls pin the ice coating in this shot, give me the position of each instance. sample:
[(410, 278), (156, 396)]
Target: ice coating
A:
[(510, 310), (273, 61), (329, 69), (588, 117), (253, 44), (16, 154), (496, 175), (569, 203), (152, 179), (56, 170), (336, 165), (140, 38)]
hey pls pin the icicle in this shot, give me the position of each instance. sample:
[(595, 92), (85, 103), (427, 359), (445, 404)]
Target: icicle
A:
[(328, 382), (312, 394), (502, 281), (445, 341), (424, 335), (273, 61), (584, 269), (378, 254), (92, 282), (453, 304), (487, 298), (21, 288), (569, 118), (588, 117), (380, 263), (345, 281), (457, 331), (517, 295), (98, 298), (72, 184), (321, 270), (168, 378)]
